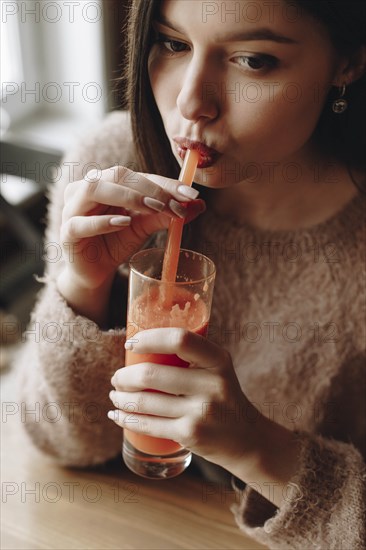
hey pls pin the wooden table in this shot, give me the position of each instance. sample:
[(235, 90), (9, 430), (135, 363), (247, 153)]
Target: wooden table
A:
[(46, 506)]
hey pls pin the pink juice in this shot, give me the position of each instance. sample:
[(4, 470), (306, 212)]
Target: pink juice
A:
[(148, 311)]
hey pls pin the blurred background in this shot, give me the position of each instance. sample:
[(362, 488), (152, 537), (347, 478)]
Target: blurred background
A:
[(60, 65)]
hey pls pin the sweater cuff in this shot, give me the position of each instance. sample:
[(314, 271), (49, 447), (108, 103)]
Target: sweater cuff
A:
[(313, 500)]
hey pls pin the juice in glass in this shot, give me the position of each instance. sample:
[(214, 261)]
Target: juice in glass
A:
[(186, 304)]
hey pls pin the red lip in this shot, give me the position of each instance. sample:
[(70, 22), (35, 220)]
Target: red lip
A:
[(208, 155)]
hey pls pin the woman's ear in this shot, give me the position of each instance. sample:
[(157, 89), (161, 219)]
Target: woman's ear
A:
[(351, 68)]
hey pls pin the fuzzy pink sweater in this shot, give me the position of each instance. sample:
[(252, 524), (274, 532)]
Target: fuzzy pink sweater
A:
[(290, 308)]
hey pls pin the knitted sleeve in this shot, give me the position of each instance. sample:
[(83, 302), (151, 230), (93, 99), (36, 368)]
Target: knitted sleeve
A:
[(67, 362), (324, 505)]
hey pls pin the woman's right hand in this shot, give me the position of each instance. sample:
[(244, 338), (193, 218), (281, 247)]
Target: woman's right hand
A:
[(107, 217)]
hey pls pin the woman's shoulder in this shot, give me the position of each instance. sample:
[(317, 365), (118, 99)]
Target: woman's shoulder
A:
[(115, 127), (109, 144)]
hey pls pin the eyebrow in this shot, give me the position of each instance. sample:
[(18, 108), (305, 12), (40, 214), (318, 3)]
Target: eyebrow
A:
[(242, 36)]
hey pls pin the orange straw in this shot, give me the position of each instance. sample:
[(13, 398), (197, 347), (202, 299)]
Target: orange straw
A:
[(171, 256)]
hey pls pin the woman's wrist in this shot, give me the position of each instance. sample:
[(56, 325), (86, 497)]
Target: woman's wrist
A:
[(269, 459), (90, 302)]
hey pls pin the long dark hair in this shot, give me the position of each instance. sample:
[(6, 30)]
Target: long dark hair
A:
[(151, 143), (342, 136)]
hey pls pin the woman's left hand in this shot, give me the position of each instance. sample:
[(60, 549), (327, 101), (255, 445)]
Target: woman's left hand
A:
[(203, 407)]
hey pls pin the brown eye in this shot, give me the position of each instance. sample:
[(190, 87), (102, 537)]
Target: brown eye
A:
[(256, 62), (175, 46)]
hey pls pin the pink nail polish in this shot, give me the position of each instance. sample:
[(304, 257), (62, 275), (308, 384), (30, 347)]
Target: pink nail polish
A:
[(120, 221), (177, 208), (156, 205)]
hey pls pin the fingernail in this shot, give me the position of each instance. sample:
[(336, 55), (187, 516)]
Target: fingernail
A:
[(112, 393), (154, 204), (120, 220), (129, 345), (177, 208), (188, 191), (113, 415), (93, 175)]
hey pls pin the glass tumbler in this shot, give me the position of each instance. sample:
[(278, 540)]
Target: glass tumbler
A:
[(154, 303)]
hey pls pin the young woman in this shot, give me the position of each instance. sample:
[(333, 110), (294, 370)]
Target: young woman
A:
[(271, 95)]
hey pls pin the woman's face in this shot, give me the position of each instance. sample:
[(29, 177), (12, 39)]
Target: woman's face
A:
[(247, 79)]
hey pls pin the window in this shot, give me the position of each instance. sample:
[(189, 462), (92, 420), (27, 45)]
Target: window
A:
[(10, 63), (11, 60), (53, 70)]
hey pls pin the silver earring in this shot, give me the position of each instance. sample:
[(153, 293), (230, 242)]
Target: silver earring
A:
[(340, 105)]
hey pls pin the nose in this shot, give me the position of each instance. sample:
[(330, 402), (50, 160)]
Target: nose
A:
[(198, 98)]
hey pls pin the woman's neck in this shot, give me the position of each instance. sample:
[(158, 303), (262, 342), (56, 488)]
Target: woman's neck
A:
[(287, 200)]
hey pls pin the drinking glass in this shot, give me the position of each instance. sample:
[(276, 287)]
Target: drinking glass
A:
[(155, 303)]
